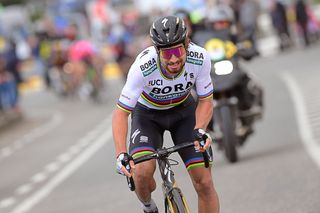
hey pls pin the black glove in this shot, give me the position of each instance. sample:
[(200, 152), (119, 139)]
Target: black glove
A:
[(201, 136), (123, 159)]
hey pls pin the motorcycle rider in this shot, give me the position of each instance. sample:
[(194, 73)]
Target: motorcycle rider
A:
[(219, 24)]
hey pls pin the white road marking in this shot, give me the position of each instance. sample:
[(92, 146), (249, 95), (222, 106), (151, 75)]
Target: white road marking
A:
[(6, 152), (74, 150), (65, 157), (30, 137), (7, 202), (52, 167), (24, 189), (62, 159), (305, 130), (67, 171), (37, 178)]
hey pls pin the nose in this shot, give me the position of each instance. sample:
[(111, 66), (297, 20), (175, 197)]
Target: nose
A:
[(174, 58)]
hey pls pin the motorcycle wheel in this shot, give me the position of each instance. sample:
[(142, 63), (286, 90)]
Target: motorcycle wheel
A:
[(229, 136)]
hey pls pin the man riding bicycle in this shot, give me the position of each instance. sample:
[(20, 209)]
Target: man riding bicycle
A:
[(157, 94)]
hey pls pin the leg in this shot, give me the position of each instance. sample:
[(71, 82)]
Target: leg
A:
[(144, 181), (181, 131), (146, 137), (208, 201)]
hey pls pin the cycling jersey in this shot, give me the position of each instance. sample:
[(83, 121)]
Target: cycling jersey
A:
[(148, 84)]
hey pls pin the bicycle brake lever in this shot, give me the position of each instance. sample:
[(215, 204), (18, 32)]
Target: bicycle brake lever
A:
[(206, 155), (131, 184), (130, 181)]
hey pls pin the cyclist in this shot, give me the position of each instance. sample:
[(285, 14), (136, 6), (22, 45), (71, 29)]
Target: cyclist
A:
[(157, 94)]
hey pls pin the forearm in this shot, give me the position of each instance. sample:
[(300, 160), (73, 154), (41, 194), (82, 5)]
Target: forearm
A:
[(204, 113), (120, 130)]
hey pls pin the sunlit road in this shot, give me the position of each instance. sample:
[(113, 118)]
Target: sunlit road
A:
[(60, 158)]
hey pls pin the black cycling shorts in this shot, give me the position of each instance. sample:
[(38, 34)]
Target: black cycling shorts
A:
[(148, 126)]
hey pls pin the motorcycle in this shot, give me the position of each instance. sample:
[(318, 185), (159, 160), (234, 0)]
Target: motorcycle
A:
[(231, 124)]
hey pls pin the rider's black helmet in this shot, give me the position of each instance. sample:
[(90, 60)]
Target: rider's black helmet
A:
[(168, 31)]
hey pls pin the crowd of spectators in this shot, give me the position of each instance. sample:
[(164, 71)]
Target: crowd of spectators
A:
[(117, 34)]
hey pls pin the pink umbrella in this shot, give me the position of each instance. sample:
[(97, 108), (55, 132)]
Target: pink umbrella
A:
[(80, 50)]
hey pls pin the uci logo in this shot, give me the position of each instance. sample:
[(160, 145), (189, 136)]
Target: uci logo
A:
[(156, 82)]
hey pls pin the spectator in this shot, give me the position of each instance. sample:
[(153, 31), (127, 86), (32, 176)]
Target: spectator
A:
[(248, 12), (13, 64), (280, 23), (8, 95), (302, 20)]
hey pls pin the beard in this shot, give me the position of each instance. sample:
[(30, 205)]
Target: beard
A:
[(174, 68)]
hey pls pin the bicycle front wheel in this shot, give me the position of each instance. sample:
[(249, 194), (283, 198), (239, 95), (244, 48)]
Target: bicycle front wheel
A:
[(175, 202)]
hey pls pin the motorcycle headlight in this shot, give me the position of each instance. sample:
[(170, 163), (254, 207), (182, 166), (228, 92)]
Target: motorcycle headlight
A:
[(224, 67)]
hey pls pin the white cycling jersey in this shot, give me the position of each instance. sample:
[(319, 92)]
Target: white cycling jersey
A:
[(148, 84)]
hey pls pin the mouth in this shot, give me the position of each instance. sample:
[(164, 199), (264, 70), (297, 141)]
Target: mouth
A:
[(174, 66)]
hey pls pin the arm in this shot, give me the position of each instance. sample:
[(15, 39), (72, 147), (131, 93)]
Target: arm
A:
[(204, 113), (127, 100), (120, 130), (204, 110)]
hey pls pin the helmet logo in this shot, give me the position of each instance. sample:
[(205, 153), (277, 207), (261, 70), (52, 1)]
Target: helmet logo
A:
[(164, 22)]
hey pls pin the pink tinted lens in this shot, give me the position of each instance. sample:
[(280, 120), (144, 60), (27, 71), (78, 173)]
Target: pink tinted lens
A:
[(167, 53)]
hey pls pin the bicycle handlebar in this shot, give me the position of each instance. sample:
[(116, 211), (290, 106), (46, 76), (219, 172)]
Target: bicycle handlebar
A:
[(165, 152)]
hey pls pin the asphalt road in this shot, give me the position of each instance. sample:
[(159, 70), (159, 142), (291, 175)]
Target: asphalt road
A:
[(60, 157)]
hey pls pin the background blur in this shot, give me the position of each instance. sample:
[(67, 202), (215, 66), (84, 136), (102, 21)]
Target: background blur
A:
[(62, 66)]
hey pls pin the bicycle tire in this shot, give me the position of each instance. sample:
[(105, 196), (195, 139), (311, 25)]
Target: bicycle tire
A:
[(175, 202)]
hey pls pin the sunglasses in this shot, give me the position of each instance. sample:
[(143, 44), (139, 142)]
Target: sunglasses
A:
[(167, 53)]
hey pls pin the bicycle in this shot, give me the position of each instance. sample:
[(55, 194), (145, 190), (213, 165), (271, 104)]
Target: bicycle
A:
[(174, 200)]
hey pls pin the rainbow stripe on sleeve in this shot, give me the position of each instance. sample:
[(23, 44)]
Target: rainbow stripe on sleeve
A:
[(124, 107), (205, 96)]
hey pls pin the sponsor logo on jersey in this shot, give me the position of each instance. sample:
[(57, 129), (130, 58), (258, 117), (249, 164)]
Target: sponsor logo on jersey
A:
[(208, 85), (195, 57), (170, 96), (126, 97), (149, 67), (191, 75), (144, 139), (134, 135), (170, 89), (144, 53), (157, 82)]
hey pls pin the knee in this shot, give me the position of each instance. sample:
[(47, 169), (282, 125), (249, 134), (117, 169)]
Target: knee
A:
[(143, 179), (204, 186)]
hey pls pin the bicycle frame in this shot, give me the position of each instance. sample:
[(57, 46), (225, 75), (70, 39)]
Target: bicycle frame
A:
[(170, 190), (169, 184)]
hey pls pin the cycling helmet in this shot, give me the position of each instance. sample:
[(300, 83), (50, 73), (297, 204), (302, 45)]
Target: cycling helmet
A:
[(220, 13), (168, 31)]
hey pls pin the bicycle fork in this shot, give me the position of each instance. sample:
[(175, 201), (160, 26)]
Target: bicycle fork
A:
[(170, 188)]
